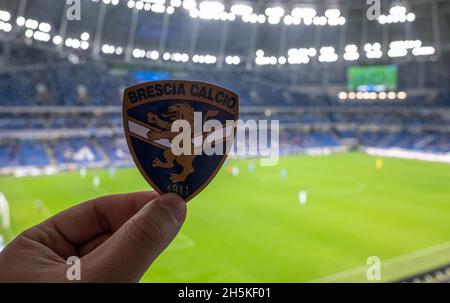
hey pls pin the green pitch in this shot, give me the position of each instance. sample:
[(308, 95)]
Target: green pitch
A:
[(252, 227)]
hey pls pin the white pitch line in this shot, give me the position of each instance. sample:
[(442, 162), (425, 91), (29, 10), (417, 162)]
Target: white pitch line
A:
[(46, 212), (187, 242), (391, 261)]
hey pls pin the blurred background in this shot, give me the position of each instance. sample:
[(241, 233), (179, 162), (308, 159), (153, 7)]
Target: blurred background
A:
[(362, 93)]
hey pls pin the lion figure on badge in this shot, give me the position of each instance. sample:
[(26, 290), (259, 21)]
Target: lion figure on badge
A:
[(174, 112)]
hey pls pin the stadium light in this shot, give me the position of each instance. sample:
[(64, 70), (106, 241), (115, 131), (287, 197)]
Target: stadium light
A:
[(332, 13), (261, 18), (232, 60), (423, 51), (334, 17), (76, 43), (189, 4), (85, 36), (185, 57), (275, 12), (68, 42), (288, 20), (154, 55), (282, 60), (210, 10), (111, 49), (241, 9), (273, 20), (397, 14), (170, 10), (410, 17), (194, 13), (304, 13), (139, 5), (307, 21), (373, 50), (20, 21), (402, 95), (296, 21), (262, 60), (45, 27), (118, 51), (400, 48), (5, 26), (31, 24), (5, 16), (394, 53), (351, 52), (328, 54), (158, 8), (57, 40), (231, 16), (176, 57), (110, 2), (175, 3), (138, 53), (29, 33), (391, 95), (319, 20), (215, 10), (84, 45), (205, 59), (397, 10), (299, 56), (342, 95), (252, 18)]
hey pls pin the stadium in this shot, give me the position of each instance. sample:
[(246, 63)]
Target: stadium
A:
[(361, 92)]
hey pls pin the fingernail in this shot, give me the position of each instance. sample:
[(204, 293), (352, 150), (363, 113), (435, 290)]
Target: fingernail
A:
[(175, 205)]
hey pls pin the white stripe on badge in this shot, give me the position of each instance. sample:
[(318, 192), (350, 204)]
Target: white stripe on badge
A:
[(217, 135)]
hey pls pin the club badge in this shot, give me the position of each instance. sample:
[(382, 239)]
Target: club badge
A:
[(179, 132)]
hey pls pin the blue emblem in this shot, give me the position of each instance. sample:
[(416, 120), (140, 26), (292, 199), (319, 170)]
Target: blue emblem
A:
[(179, 132)]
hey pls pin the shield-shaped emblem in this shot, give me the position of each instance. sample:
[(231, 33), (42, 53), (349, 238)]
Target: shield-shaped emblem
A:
[(179, 132)]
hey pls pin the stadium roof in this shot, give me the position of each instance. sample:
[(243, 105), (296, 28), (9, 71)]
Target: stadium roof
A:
[(170, 33)]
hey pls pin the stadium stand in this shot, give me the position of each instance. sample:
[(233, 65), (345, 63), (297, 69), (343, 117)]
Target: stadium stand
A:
[(79, 137), (438, 275)]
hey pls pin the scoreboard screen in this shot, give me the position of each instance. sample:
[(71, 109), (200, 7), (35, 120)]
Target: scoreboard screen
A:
[(375, 78)]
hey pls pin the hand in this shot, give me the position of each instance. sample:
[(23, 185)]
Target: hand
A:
[(116, 238)]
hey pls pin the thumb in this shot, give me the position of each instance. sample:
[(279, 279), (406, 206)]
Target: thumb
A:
[(128, 253)]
